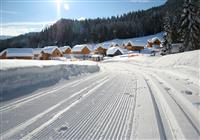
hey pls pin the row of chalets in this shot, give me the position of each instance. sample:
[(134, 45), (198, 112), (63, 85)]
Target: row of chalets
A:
[(78, 51)]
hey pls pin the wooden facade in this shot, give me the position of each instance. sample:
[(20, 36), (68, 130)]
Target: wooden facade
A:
[(48, 56), (67, 51), (83, 50), (100, 50), (132, 47), (154, 41)]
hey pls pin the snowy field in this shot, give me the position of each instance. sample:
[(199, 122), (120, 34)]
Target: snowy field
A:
[(140, 97)]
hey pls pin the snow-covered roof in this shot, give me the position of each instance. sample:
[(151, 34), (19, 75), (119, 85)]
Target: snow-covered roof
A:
[(112, 50), (154, 39), (78, 48), (50, 49), (114, 44), (128, 42), (37, 51), (64, 48), (2, 52), (19, 52), (106, 45)]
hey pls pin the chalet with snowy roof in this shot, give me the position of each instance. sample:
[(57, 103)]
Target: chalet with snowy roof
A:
[(113, 44), (133, 46), (17, 53), (50, 52), (66, 50), (153, 41), (100, 49), (81, 49), (114, 51)]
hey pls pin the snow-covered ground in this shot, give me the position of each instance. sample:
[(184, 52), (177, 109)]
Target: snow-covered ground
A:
[(139, 97), (34, 74)]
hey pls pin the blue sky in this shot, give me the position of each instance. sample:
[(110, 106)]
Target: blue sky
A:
[(22, 16)]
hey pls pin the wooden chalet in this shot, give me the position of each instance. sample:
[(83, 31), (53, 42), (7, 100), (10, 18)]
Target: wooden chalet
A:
[(133, 47), (66, 50), (114, 51), (50, 52), (153, 41), (81, 49), (100, 49), (17, 53)]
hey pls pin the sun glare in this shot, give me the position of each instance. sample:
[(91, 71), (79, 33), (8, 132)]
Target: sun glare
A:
[(66, 6), (58, 4)]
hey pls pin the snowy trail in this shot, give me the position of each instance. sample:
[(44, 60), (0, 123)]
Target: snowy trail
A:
[(122, 101)]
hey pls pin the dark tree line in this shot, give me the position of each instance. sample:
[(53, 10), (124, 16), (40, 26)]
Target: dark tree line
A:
[(71, 32)]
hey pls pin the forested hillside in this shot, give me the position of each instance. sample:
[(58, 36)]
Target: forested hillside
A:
[(71, 32)]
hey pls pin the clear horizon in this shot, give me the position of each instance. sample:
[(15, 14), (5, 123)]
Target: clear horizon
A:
[(23, 16)]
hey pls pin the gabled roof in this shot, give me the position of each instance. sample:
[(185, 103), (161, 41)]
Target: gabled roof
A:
[(112, 50), (153, 40), (78, 48), (100, 45), (19, 52), (128, 42), (114, 44), (64, 48), (50, 49)]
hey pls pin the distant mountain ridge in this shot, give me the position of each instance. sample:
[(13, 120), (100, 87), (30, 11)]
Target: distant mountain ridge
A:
[(71, 32), (3, 37)]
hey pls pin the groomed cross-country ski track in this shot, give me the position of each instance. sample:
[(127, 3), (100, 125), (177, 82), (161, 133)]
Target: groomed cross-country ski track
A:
[(123, 101)]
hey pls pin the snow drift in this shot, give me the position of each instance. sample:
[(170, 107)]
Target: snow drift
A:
[(32, 74), (185, 59)]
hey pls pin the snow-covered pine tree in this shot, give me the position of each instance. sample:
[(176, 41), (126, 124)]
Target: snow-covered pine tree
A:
[(167, 40), (190, 25)]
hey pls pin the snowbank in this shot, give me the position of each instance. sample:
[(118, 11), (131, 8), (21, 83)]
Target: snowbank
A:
[(6, 64), (189, 59), (186, 59), (19, 74)]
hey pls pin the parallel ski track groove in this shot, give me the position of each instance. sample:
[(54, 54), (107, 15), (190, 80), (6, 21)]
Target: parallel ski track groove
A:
[(157, 113), (72, 136), (85, 115), (15, 104), (88, 120), (181, 108), (108, 113)]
